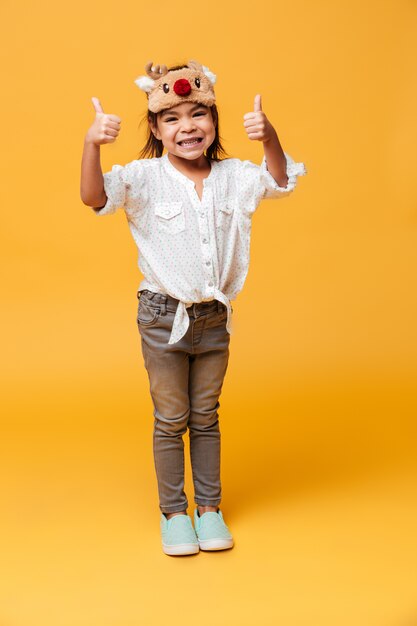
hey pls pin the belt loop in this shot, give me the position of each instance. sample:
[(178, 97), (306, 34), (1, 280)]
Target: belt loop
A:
[(219, 306), (194, 309), (163, 305)]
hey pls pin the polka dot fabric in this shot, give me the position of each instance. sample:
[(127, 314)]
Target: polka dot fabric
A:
[(191, 249)]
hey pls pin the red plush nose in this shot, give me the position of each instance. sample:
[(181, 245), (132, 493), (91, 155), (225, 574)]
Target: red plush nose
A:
[(182, 87)]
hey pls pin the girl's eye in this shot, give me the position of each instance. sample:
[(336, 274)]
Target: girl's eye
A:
[(173, 119), (197, 82), (165, 87)]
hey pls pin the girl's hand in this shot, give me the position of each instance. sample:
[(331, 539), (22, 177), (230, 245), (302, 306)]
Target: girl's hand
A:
[(105, 128), (257, 124)]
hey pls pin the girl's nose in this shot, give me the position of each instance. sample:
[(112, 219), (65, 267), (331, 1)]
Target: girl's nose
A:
[(188, 124)]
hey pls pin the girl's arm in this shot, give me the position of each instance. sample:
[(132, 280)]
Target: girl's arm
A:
[(105, 129), (92, 181), (259, 127)]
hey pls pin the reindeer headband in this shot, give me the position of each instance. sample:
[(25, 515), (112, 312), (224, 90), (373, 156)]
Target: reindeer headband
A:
[(166, 88)]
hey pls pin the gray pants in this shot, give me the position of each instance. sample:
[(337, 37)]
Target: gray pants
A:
[(185, 379)]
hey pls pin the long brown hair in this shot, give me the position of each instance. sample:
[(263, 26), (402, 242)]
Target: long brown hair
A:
[(154, 147)]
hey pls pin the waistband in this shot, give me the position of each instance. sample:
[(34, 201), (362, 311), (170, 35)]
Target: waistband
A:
[(168, 303)]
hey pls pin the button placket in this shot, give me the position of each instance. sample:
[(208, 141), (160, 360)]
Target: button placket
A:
[(212, 260), (204, 212)]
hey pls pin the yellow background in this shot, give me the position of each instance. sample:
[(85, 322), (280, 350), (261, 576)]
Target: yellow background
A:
[(318, 411)]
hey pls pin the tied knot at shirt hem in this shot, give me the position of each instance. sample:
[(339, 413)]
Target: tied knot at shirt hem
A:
[(181, 321)]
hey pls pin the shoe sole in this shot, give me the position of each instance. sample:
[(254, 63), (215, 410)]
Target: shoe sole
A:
[(181, 548), (215, 544)]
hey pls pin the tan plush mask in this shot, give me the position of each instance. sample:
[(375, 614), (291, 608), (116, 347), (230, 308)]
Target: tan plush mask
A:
[(167, 89)]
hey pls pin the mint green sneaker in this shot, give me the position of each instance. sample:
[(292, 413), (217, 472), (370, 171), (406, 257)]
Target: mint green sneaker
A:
[(178, 535), (212, 532)]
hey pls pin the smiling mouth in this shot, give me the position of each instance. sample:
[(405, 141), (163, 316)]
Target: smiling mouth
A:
[(190, 142)]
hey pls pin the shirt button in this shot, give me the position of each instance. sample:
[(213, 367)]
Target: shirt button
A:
[(210, 284), (204, 240), (208, 262), (201, 214)]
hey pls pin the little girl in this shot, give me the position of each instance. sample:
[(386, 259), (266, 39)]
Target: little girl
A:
[(190, 213)]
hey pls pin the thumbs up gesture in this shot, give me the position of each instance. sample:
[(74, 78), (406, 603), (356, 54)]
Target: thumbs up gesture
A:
[(257, 124), (105, 128)]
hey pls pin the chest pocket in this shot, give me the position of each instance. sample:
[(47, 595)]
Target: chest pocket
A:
[(224, 214), (170, 217)]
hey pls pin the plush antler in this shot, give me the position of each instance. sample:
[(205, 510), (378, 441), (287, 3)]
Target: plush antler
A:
[(156, 71), (195, 65)]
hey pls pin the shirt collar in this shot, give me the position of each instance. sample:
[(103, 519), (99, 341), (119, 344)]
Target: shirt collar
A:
[(182, 177)]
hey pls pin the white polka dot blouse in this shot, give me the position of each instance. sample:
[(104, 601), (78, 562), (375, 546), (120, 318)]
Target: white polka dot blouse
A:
[(193, 250)]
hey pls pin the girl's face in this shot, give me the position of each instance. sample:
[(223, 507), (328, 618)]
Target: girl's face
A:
[(186, 130)]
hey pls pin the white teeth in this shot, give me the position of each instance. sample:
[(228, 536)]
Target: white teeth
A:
[(189, 142)]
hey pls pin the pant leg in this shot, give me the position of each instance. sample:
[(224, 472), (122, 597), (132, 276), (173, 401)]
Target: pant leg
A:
[(168, 372), (208, 367)]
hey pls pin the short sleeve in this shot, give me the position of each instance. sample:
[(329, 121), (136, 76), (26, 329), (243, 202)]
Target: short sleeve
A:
[(123, 186), (257, 183), (271, 189), (115, 190)]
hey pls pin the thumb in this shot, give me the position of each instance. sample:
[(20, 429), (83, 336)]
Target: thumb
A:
[(97, 106), (257, 104)]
